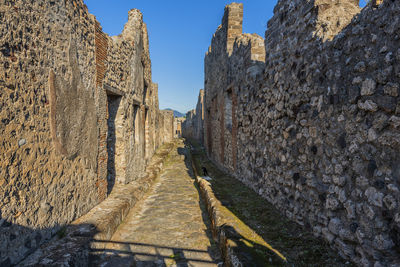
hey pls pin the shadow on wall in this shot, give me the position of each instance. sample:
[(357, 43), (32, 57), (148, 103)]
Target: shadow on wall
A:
[(113, 105), (71, 244), (250, 253), (317, 131), (296, 243)]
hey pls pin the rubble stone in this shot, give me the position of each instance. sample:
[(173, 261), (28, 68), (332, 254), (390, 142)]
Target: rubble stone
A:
[(326, 103), (368, 87), (78, 114)]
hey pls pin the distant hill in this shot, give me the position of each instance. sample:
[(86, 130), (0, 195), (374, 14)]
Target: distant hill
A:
[(177, 114)]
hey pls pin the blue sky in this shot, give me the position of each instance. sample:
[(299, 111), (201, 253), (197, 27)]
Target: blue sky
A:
[(180, 32)]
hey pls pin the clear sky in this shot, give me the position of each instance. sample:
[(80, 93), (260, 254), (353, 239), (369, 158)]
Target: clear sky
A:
[(180, 32)]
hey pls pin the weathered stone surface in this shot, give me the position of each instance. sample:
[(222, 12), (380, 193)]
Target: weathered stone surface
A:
[(326, 105), (374, 197), (383, 242), (193, 127), (178, 126), (368, 105), (99, 223), (391, 89), (334, 226), (368, 87), (78, 114)]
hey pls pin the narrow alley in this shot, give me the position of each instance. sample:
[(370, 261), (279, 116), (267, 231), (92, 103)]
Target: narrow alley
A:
[(169, 226), (290, 157)]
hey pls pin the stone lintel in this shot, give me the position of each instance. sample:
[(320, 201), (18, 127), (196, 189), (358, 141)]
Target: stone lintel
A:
[(136, 101), (113, 91)]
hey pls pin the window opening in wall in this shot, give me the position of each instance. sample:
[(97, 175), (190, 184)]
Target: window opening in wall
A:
[(114, 123)]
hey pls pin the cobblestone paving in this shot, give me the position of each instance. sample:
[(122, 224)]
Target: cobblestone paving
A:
[(168, 227)]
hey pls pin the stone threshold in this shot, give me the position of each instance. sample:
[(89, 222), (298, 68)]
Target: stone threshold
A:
[(74, 243)]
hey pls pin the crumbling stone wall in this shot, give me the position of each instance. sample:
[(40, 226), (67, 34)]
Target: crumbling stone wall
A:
[(317, 125), (231, 57), (71, 98), (199, 119), (167, 129), (189, 124), (193, 126), (178, 126)]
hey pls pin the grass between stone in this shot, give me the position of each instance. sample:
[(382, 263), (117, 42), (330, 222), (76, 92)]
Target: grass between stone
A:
[(258, 223)]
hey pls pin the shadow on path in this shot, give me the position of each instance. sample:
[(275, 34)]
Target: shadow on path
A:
[(249, 250), (168, 227), (150, 254)]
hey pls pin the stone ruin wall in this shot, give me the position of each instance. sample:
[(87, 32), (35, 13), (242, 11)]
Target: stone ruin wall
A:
[(78, 112), (199, 120), (231, 56), (188, 127), (314, 129), (193, 126), (167, 129), (178, 121)]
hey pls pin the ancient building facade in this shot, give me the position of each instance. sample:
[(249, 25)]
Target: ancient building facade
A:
[(231, 57), (188, 125), (166, 133), (310, 118), (78, 113), (178, 126), (193, 126)]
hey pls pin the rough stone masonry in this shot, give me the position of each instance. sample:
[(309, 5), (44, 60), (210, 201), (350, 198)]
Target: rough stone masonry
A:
[(78, 113), (193, 127), (310, 118)]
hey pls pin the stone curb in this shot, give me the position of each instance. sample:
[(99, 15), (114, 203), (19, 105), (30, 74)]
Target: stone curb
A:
[(226, 245), (87, 234)]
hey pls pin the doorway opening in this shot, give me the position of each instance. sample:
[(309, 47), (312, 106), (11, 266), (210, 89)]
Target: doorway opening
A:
[(115, 146), (146, 134), (136, 117)]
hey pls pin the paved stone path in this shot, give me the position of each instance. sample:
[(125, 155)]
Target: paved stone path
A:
[(168, 227)]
